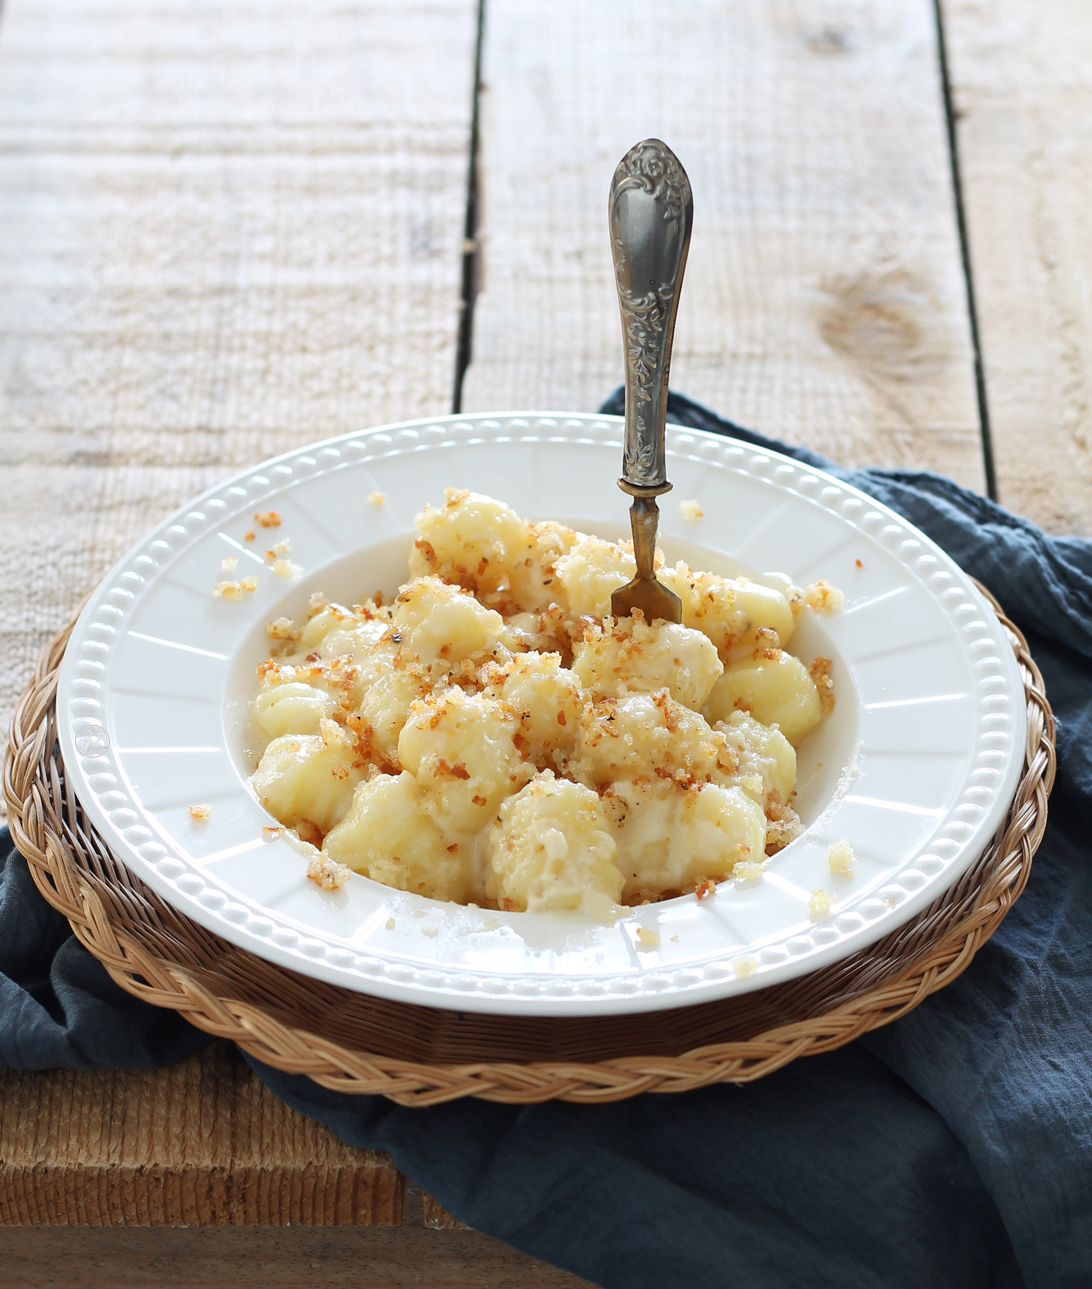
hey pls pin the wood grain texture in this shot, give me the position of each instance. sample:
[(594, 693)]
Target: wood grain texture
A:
[(273, 1258), (225, 230), (240, 1189), (201, 1143), (824, 298), (1023, 95)]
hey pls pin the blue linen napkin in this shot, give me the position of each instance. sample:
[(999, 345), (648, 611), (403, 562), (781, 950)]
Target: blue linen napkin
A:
[(950, 1150), (59, 1009)]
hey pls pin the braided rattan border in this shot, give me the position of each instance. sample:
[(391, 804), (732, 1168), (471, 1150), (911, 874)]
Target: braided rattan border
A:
[(161, 957)]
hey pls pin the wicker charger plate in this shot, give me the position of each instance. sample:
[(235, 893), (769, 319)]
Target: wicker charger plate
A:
[(414, 1055)]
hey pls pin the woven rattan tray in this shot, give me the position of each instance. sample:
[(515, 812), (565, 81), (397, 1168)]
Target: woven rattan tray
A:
[(421, 1056)]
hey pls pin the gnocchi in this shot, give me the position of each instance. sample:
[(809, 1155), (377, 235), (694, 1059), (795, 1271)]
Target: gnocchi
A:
[(495, 736)]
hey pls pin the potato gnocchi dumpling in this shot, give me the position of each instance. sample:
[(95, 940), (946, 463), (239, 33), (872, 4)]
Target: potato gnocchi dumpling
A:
[(671, 839), (494, 736), (551, 848), (633, 654), (774, 687), (387, 835), (307, 780), (288, 706), (461, 750)]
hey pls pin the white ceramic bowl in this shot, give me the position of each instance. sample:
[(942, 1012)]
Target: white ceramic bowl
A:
[(916, 766)]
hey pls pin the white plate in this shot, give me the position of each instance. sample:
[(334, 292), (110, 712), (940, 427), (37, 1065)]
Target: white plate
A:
[(916, 766)]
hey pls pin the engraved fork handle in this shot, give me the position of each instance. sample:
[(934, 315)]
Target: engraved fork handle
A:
[(651, 212)]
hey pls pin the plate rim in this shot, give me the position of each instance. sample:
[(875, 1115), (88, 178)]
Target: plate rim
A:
[(301, 957)]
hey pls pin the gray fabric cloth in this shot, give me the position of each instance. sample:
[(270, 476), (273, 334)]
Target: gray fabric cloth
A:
[(951, 1150)]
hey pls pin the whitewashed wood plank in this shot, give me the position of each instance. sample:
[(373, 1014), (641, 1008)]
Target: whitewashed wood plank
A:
[(225, 230), (1023, 93), (824, 300)]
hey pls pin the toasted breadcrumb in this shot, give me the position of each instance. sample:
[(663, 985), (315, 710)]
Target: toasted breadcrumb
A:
[(271, 834), (389, 924), (859, 563), (745, 966), (691, 510), (779, 832), (308, 831), (840, 858), (647, 939), (235, 590), (820, 671), (248, 536), (286, 568), (227, 564), (377, 498), (823, 597), (707, 888), (316, 602), (782, 824), (268, 519), (282, 629), (324, 872), (819, 905), (200, 812), (283, 547), (748, 871)]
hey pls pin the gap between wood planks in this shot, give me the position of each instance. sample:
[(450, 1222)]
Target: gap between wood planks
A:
[(471, 248), (965, 254), (464, 350)]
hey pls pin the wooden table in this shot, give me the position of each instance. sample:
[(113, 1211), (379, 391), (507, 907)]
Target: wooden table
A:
[(228, 229)]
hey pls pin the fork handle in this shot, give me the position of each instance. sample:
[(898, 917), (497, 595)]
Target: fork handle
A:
[(651, 211)]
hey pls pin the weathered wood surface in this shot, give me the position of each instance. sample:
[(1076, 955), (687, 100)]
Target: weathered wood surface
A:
[(201, 1143), (204, 1146), (204, 1153), (224, 231), (824, 299), (1020, 77), (269, 1258)]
